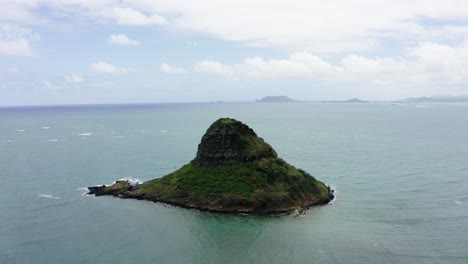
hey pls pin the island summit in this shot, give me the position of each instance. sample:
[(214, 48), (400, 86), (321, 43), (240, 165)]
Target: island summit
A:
[(234, 171)]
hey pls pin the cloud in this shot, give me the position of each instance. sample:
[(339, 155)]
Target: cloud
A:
[(314, 26), (168, 69), (296, 65), (105, 67), (426, 64), (15, 41), (129, 16), (73, 79), (122, 39)]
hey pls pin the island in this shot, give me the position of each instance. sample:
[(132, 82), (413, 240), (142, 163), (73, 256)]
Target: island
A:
[(436, 99), (353, 100), (234, 171), (275, 99)]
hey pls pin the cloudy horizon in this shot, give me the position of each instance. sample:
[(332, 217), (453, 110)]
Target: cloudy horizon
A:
[(109, 51)]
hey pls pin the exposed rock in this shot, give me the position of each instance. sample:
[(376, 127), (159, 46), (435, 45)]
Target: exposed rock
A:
[(229, 142)]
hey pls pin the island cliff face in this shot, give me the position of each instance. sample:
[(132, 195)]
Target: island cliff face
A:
[(234, 171), (230, 142)]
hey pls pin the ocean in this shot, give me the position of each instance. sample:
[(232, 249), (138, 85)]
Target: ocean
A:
[(400, 173)]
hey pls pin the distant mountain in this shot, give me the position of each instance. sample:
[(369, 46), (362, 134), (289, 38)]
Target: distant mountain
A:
[(437, 99), (275, 99), (354, 100)]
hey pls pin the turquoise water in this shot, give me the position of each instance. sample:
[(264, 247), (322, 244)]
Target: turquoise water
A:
[(400, 174)]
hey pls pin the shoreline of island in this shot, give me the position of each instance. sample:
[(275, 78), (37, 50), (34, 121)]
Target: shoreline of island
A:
[(122, 194)]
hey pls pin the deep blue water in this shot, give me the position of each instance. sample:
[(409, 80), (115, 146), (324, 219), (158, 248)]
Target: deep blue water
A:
[(400, 174)]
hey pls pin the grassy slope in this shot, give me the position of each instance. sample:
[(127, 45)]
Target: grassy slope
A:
[(266, 181)]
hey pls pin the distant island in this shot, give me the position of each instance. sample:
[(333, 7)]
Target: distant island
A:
[(275, 99), (354, 100), (436, 99), (234, 171)]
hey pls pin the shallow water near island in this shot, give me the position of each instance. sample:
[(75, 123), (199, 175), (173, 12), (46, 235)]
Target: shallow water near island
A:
[(400, 174)]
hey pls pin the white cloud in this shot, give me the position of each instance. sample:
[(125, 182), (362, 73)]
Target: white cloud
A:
[(129, 16), (427, 64), (333, 26), (73, 79), (122, 39), (315, 26), (296, 65), (105, 67), (168, 69), (14, 41)]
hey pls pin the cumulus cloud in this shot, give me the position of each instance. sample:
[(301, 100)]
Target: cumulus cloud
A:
[(122, 39), (73, 79), (108, 68), (15, 41), (425, 64), (168, 69), (129, 16)]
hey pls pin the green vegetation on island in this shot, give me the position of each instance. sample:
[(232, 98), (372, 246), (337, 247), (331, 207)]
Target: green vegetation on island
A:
[(234, 171)]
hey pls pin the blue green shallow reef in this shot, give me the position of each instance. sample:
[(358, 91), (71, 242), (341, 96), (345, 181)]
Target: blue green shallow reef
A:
[(400, 175)]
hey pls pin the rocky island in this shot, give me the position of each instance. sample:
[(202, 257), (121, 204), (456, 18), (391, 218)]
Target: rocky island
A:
[(275, 99), (234, 171)]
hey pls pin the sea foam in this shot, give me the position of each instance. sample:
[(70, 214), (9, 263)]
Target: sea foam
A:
[(48, 196), (83, 190), (132, 181)]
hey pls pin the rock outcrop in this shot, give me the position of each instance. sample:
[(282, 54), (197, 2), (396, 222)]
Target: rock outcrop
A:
[(230, 142), (234, 171)]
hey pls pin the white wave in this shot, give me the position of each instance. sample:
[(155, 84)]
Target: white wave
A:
[(48, 196), (9, 140), (334, 194), (119, 137), (85, 134), (456, 202), (53, 140), (20, 130), (132, 181), (83, 190), (163, 131), (46, 127), (423, 106)]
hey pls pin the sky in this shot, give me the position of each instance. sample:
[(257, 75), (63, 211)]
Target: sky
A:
[(121, 51)]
